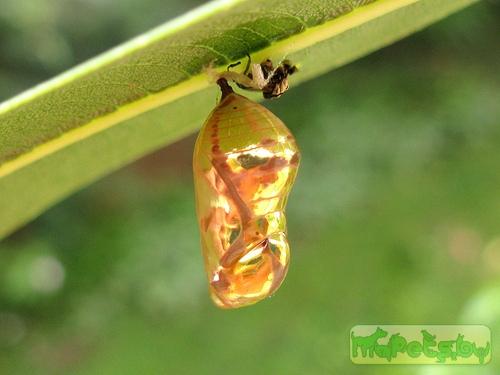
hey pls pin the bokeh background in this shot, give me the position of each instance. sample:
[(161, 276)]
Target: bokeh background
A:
[(395, 217)]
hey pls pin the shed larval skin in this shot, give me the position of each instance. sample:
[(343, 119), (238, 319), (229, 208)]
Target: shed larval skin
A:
[(245, 162)]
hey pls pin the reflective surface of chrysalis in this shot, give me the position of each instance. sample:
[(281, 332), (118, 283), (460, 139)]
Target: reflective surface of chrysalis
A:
[(245, 162)]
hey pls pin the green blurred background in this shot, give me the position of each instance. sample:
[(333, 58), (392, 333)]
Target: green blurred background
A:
[(395, 217)]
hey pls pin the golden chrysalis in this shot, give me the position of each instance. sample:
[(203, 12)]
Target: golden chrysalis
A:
[(245, 162)]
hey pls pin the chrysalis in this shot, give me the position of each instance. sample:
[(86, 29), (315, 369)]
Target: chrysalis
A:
[(245, 162)]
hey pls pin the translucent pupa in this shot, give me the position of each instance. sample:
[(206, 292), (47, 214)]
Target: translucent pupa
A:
[(245, 162)]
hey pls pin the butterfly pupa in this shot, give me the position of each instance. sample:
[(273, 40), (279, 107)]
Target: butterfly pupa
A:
[(245, 162)]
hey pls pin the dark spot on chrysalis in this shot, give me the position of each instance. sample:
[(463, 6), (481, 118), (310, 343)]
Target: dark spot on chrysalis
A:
[(204, 223), (273, 248), (275, 164), (234, 235), (295, 159), (253, 261), (248, 161), (222, 283), (263, 225), (268, 142)]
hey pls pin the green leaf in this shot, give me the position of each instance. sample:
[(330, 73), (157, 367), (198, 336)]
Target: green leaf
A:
[(151, 91)]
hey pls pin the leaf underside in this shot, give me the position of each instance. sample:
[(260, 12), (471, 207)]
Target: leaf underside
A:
[(149, 92)]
